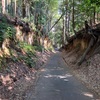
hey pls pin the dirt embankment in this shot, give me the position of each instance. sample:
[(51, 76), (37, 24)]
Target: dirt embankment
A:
[(20, 58), (17, 78), (88, 71)]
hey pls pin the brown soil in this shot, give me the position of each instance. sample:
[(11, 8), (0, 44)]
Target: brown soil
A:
[(88, 71), (17, 78)]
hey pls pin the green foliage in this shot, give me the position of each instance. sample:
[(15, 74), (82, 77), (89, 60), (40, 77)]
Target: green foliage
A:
[(96, 2), (14, 59), (52, 5), (30, 62), (4, 19), (33, 27), (28, 59), (2, 62), (83, 10), (25, 46), (50, 48), (38, 48), (56, 38), (6, 30), (9, 33), (29, 48)]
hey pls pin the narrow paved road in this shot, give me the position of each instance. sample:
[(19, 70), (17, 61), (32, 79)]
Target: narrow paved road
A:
[(57, 83)]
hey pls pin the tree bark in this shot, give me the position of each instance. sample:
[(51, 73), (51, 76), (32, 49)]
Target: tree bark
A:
[(86, 51), (64, 30), (23, 9), (73, 13), (56, 22), (15, 7), (94, 13), (3, 6)]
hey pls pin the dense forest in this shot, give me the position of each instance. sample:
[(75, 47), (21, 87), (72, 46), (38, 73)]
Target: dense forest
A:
[(44, 14), (29, 29)]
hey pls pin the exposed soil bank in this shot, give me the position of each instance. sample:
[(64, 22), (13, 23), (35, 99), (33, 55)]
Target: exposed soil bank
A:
[(17, 78), (88, 72)]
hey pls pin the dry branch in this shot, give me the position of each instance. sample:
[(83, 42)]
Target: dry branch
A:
[(86, 51)]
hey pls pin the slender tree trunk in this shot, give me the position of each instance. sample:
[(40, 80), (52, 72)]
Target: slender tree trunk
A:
[(73, 12), (68, 22), (29, 11), (64, 31), (56, 22), (3, 6), (86, 51), (94, 13), (23, 9), (12, 7), (26, 9), (7, 4), (15, 7), (91, 23), (97, 16)]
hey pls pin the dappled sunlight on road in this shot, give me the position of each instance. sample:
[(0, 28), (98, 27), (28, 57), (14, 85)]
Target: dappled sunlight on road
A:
[(64, 77), (57, 83), (88, 94), (58, 76)]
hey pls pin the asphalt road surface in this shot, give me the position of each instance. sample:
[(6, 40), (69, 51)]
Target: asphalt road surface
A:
[(57, 83)]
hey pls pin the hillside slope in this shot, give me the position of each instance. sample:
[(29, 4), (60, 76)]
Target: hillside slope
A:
[(89, 70)]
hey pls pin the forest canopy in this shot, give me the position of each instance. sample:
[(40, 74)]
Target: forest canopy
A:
[(45, 13)]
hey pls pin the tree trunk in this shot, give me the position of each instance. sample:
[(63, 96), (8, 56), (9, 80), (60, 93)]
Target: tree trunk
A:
[(8, 5), (69, 15), (97, 17), (56, 22), (3, 6), (12, 13), (86, 51), (94, 13), (23, 9), (15, 7), (64, 30), (73, 13), (27, 10), (67, 22)]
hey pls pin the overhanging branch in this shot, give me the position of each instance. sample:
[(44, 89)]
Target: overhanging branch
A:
[(56, 22)]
